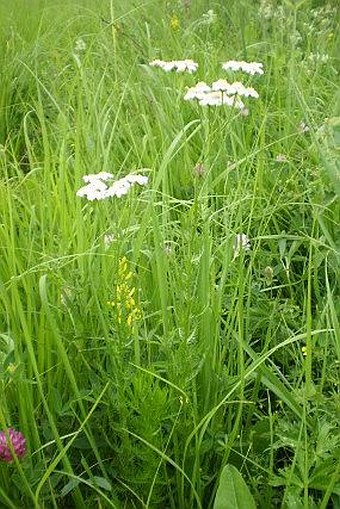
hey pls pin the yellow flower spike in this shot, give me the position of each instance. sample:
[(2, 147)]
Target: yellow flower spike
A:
[(304, 351), (174, 22), (138, 314), (122, 266), (127, 310), (123, 293)]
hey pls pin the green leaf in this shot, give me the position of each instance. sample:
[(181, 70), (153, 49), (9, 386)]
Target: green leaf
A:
[(73, 483), (102, 483), (232, 492)]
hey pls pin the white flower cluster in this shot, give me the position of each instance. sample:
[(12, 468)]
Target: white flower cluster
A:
[(79, 45), (198, 91), (208, 18), (248, 67), (266, 9), (241, 243), (218, 98), (303, 127), (177, 65), (234, 88), (220, 93), (318, 58), (98, 189)]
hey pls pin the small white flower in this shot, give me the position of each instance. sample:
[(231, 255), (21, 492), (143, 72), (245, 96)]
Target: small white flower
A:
[(156, 63), (234, 88), (185, 65), (109, 238), (177, 65), (240, 89), (248, 67), (303, 128), (79, 45), (168, 66), (318, 58), (94, 177), (253, 68), (211, 99), (241, 243), (98, 189), (281, 158), (197, 91), (221, 93), (208, 18), (218, 98), (142, 180), (232, 65), (118, 188), (223, 86), (95, 190), (266, 10)]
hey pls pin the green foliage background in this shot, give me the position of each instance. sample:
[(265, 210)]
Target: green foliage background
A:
[(235, 357)]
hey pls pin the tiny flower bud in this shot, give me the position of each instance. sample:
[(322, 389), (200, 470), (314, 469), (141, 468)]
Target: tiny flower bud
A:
[(268, 273)]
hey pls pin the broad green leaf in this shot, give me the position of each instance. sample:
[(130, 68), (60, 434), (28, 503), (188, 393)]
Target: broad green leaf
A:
[(73, 483), (232, 492), (102, 483)]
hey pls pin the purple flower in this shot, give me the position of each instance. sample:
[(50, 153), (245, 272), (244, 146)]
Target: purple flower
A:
[(18, 444)]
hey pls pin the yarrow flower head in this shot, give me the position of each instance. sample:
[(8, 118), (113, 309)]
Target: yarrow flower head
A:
[(218, 98), (109, 238), (18, 441), (266, 10), (80, 45), (176, 65), (303, 127), (248, 67), (234, 88), (221, 93), (207, 18), (318, 58), (101, 185), (281, 158), (197, 92)]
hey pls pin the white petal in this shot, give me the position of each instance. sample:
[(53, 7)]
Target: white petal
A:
[(138, 179), (93, 177)]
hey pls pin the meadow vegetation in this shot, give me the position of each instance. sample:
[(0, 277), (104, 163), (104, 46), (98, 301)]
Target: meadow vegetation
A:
[(187, 325)]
